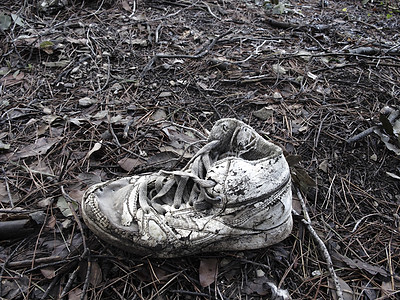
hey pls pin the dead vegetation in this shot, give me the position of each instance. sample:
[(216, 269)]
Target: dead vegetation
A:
[(92, 90)]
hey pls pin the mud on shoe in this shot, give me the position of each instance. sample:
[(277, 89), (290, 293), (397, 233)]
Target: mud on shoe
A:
[(234, 194)]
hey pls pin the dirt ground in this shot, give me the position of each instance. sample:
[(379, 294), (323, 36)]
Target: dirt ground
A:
[(88, 88)]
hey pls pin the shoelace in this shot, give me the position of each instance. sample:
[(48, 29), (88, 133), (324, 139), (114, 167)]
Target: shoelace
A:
[(186, 186), (191, 186)]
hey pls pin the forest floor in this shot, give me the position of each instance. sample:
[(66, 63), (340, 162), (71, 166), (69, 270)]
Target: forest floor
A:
[(88, 88)]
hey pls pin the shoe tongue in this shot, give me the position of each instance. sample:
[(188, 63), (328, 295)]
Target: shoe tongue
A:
[(223, 131)]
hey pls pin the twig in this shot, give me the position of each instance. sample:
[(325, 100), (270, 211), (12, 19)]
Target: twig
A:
[(7, 260), (393, 114), (69, 283), (307, 221), (87, 278), (210, 11), (69, 200)]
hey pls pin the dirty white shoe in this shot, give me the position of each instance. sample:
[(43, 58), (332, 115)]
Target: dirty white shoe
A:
[(235, 194)]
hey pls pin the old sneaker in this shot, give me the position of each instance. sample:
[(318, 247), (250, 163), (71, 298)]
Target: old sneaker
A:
[(234, 194)]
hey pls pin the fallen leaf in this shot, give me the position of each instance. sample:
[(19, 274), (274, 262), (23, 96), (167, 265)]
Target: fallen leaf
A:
[(5, 21), (178, 151), (95, 274), (163, 160), (126, 6), (101, 115), (323, 166), (387, 126), (128, 164), (165, 94), (56, 64), (96, 147), (90, 178), (278, 69), (3, 193), (361, 265), (47, 46), (396, 128), (386, 140), (86, 101), (305, 55), (41, 146), (264, 113), (41, 167), (387, 288), (18, 20), (75, 294), (178, 139), (301, 177), (76, 193), (159, 114), (137, 42), (293, 160), (208, 271), (48, 272), (64, 207), (393, 175), (51, 222), (348, 293)]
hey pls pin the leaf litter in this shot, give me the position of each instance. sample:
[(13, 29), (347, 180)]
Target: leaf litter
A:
[(94, 91)]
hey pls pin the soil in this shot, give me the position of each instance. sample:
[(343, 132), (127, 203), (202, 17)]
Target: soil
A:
[(94, 90)]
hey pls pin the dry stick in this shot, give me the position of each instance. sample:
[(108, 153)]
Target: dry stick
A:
[(86, 250), (87, 278), (361, 134), (28, 262), (307, 221), (7, 261), (69, 201), (392, 117), (69, 283)]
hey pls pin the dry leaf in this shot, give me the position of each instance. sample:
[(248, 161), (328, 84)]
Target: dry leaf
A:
[(65, 208), (90, 178), (95, 148), (96, 274), (348, 293), (393, 175), (4, 198), (178, 151), (323, 166), (41, 146), (387, 288), (41, 167), (128, 164), (126, 6), (48, 273), (361, 265), (86, 101), (76, 193), (165, 94), (75, 294), (159, 114), (264, 113), (51, 222), (208, 271)]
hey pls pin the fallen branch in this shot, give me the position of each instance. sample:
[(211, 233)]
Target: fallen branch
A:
[(307, 221)]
